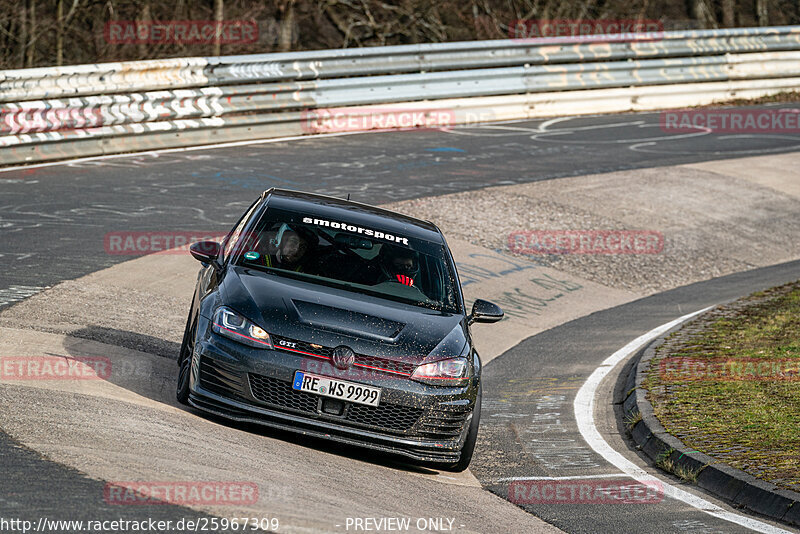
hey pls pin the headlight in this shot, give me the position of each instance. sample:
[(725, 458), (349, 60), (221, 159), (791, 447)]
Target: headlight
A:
[(453, 372), (230, 324)]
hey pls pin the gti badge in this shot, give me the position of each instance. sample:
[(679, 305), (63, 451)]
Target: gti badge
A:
[(343, 357)]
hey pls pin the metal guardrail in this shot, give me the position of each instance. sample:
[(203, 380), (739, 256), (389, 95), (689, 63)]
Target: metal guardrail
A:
[(84, 110)]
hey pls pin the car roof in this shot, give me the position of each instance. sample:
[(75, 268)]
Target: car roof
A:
[(337, 209)]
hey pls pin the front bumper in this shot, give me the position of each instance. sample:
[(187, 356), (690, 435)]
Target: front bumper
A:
[(425, 423)]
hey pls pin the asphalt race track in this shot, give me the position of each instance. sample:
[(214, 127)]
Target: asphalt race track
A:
[(54, 219), (533, 388)]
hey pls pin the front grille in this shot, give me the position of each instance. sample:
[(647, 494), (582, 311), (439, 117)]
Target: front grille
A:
[(280, 394), (388, 416), (361, 359)]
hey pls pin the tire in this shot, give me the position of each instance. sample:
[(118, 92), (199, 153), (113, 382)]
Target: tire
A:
[(185, 362), (472, 437)]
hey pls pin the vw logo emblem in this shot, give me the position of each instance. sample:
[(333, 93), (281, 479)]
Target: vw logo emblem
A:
[(343, 357)]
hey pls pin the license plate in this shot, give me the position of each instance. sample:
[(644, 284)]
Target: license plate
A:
[(337, 389)]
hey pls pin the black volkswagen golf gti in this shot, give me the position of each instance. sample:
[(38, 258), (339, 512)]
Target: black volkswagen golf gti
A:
[(337, 320)]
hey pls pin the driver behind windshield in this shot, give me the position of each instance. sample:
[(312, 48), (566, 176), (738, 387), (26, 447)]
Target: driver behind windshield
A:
[(291, 248)]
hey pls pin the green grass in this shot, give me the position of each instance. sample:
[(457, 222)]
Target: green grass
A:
[(632, 420), (753, 425)]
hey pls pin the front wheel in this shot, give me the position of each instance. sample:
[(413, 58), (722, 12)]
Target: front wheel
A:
[(472, 437), (185, 363)]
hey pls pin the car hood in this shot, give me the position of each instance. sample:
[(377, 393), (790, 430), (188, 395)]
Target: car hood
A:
[(312, 313)]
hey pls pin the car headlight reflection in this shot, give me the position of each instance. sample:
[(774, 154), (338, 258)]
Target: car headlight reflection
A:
[(230, 324), (452, 372)]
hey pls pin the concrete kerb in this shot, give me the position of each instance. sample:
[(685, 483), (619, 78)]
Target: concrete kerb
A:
[(740, 488)]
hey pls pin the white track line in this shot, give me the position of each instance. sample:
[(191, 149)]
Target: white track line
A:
[(572, 477), (584, 415), (157, 151), (227, 144)]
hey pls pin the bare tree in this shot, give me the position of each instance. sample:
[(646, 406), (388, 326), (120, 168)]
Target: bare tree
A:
[(729, 13), (23, 34), (45, 32), (145, 19), (762, 12), (60, 32), (285, 35), (704, 13), (30, 53), (219, 14)]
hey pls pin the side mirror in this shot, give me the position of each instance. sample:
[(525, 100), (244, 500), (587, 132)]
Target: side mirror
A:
[(205, 251), (484, 311)]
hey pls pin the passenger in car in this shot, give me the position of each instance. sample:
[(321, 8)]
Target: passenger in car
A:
[(393, 264)]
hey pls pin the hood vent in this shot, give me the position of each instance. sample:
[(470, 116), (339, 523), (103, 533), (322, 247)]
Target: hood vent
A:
[(348, 322)]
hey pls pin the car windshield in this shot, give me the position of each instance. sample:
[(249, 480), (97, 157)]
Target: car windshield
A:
[(340, 254)]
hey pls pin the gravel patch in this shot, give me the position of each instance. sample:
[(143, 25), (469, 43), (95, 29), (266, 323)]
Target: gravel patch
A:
[(712, 224)]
